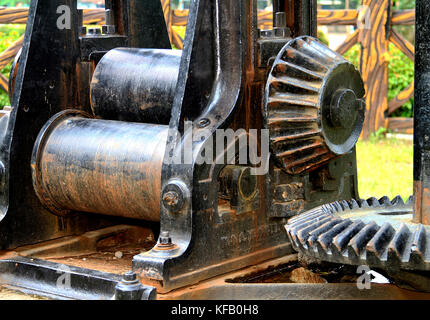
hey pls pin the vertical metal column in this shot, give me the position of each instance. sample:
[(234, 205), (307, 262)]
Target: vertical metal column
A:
[(422, 114), (301, 16)]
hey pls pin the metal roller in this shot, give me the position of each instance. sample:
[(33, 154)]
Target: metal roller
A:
[(100, 166), (135, 85)]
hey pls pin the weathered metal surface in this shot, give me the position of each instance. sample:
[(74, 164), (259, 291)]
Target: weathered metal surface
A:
[(252, 283), (135, 85), (377, 233), (38, 277), (99, 166), (314, 105), (422, 112)]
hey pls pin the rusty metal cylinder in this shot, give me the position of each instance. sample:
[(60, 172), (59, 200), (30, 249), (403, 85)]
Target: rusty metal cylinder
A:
[(100, 166), (135, 85)]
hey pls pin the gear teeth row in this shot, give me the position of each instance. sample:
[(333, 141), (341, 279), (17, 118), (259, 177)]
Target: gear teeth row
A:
[(323, 234)]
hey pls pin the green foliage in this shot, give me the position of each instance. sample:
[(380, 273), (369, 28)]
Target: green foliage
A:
[(353, 55), (378, 135), (8, 34), (15, 3), (323, 37), (403, 4), (400, 75)]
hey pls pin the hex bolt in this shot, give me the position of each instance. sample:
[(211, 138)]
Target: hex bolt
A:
[(130, 277), (129, 288), (280, 20), (94, 31), (110, 17), (165, 238), (109, 27), (174, 196), (171, 198)]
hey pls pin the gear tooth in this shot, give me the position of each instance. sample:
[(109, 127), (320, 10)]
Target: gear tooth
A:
[(397, 201), (339, 206), (377, 248), (345, 205), (313, 235), (373, 202), (363, 203), (385, 201), (419, 245), (353, 204), (357, 244), (306, 216), (314, 47), (307, 221), (341, 240), (303, 234), (397, 247), (292, 240), (410, 200), (325, 239)]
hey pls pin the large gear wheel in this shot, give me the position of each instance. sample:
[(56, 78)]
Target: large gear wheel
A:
[(377, 233), (314, 106)]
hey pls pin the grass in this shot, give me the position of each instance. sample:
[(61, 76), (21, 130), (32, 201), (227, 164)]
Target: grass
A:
[(8, 34), (385, 168)]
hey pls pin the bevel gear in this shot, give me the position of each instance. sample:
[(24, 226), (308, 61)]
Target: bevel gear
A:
[(378, 233)]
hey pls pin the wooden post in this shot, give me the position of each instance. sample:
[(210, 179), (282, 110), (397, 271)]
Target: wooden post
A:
[(374, 40)]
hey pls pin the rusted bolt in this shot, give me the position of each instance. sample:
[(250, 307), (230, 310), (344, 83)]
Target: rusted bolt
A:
[(175, 195), (165, 243), (171, 198), (203, 123)]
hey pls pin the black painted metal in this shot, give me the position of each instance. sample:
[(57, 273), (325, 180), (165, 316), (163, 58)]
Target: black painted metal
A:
[(74, 156), (135, 85), (58, 281), (422, 112)]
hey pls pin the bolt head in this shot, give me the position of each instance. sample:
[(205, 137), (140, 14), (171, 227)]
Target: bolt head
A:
[(171, 198), (94, 31), (165, 238), (203, 123), (130, 276), (344, 108), (174, 196)]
